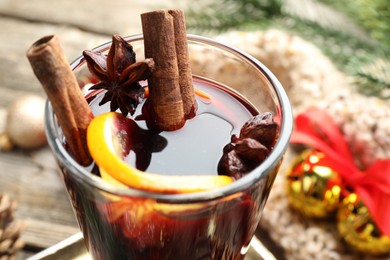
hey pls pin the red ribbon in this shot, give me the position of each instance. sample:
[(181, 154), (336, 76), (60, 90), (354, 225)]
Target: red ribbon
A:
[(316, 128)]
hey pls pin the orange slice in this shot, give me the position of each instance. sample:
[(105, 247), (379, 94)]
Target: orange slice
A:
[(106, 138)]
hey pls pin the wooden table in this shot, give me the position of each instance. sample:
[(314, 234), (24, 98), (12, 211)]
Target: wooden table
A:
[(31, 177)]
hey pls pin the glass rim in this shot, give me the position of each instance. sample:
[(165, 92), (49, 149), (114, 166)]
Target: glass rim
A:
[(241, 184)]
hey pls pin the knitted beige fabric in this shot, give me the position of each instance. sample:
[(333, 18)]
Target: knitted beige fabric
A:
[(311, 79)]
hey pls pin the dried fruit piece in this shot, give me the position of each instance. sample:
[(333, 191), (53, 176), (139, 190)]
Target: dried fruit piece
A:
[(232, 164), (252, 150), (261, 128), (249, 150), (106, 138)]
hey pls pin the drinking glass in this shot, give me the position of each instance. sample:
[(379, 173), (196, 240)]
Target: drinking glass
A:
[(125, 223)]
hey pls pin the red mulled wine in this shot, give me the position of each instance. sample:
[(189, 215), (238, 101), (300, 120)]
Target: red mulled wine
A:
[(130, 227), (197, 147)]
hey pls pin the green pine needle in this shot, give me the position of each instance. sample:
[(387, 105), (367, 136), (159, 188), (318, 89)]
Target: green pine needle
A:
[(362, 53), (373, 78)]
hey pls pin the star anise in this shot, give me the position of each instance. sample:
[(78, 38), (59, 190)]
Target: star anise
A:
[(119, 75)]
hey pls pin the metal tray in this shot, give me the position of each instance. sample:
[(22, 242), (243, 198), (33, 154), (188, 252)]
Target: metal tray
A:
[(73, 248)]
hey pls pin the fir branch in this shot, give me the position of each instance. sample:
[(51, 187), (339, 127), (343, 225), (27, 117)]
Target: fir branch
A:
[(351, 49), (372, 15), (339, 45), (373, 78), (223, 15)]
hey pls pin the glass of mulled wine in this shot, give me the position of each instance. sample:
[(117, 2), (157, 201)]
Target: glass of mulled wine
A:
[(124, 223)]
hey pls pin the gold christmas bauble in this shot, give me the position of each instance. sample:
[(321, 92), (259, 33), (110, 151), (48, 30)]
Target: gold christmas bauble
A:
[(358, 229), (312, 187), (25, 122)]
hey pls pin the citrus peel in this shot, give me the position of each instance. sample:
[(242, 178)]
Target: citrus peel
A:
[(105, 139), (108, 178)]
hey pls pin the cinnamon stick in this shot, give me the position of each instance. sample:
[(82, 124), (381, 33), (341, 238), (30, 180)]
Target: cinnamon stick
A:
[(182, 53), (165, 38), (52, 69)]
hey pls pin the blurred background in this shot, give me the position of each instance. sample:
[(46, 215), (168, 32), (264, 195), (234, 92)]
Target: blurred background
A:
[(353, 36)]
